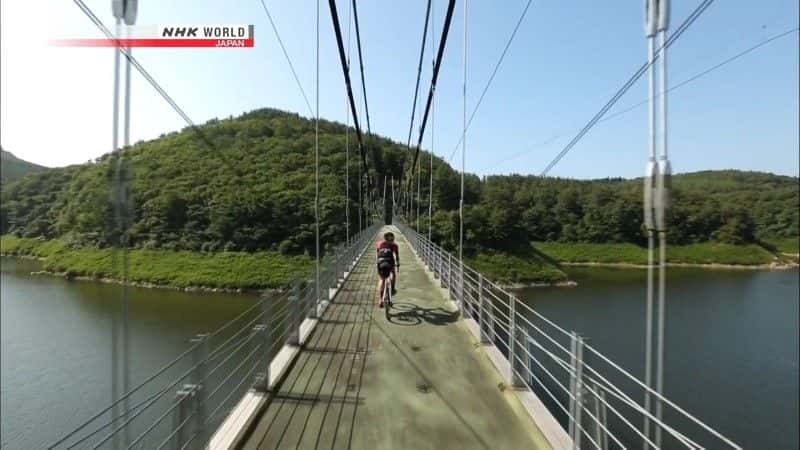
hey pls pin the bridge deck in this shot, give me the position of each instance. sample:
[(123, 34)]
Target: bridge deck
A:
[(417, 381)]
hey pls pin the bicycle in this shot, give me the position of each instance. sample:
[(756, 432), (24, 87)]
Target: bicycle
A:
[(387, 296)]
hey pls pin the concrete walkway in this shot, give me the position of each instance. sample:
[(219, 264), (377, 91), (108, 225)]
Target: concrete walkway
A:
[(417, 381)]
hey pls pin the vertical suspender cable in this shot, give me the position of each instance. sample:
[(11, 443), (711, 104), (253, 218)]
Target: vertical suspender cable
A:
[(419, 188), (115, 115), (463, 146), (114, 319), (416, 94), (347, 143), (445, 30), (366, 107), (433, 129), (316, 172), (346, 73), (649, 219), (662, 189), (361, 66), (463, 155), (656, 196), (123, 193)]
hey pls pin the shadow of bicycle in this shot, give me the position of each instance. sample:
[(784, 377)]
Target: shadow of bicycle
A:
[(409, 314)]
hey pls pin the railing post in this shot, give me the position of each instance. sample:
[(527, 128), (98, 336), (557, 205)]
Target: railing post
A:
[(334, 282), (336, 271), (427, 247), (462, 301), (514, 378), (296, 311), (440, 259), (198, 377), (576, 389), (572, 396), (525, 354), (262, 380), (183, 397), (604, 418), (579, 391), (450, 274), (529, 344), (312, 293), (599, 430), (481, 312)]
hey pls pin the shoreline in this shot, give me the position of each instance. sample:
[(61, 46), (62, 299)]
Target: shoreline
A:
[(777, 264), (148, 285), (708, 266), (535, 284), (220, 272)]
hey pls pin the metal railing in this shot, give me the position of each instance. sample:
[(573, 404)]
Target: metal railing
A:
[(599, 403), (181, 404)]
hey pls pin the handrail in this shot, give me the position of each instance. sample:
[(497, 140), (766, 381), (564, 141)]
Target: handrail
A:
[(250, 340), (512, 325)]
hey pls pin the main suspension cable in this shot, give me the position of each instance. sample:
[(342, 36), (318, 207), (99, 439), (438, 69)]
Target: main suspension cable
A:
[(491, 78), (361, 65), (631, 81), (689, 80), (346, 71), (437, 65), (419, 75), (286, 54)]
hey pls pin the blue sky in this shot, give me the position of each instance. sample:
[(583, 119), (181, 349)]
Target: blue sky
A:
[(566, 61)]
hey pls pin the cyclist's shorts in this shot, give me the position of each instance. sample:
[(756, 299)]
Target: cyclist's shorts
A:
[(384, 269)]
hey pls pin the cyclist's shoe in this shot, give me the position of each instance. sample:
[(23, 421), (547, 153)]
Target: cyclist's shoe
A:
[(380, 305)]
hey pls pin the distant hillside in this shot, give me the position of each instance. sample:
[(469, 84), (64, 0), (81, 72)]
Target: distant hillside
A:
[(244, 183), (247, 183), (13, 168)]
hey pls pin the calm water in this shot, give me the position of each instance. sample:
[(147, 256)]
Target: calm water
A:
[(731, 356), (56, 347), (731, 342)]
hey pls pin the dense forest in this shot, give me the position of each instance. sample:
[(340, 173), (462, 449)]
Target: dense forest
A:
[(247, 184), (722, 206)]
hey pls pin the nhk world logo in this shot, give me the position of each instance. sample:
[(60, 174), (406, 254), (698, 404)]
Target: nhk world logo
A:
[(171, 36)]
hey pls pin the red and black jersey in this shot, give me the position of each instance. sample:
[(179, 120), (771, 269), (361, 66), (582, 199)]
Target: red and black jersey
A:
[(393, 254)]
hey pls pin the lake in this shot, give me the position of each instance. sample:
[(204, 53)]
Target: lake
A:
[(56, 345), (731, 343)]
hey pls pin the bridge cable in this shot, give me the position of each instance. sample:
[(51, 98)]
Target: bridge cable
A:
[(419, 75), (494, 72), (347, 143), (375, 160), (366, 111), (436, 67), (463, 168), (286, 55), (689, 80), (346, 71), (631, 81), (433, 128), (316, 176), (361, 65), (135, 63)]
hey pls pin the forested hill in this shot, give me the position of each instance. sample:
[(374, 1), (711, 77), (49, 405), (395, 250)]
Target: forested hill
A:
[(13, 168), (247, 183)]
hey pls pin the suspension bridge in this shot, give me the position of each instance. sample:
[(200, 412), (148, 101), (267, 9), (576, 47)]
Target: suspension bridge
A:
[(459, 362)]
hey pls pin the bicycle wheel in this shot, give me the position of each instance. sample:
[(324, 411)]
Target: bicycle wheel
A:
[(387, 298)]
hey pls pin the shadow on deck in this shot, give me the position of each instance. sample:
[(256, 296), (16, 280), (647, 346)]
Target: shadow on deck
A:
[(416, 381)]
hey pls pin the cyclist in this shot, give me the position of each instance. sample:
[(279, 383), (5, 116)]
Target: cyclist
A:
[(388, 261)]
